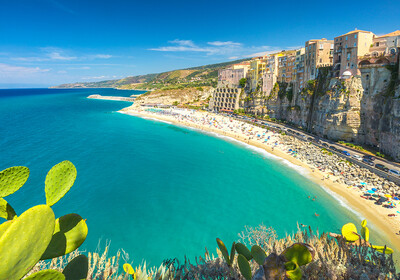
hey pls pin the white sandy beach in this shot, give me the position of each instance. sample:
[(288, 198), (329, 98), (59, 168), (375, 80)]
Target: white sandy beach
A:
[(272, 143)]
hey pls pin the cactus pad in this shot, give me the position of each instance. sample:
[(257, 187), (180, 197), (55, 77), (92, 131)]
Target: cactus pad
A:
[(365, 233), (48, 274), (293, 271), (58, 181), (349, 232), (364, 223), (258, 254), (382, 249), (244, 267), (6, 211), (24, 241), (77, 269), (242, 250), (4, 226), (128, 269), (69, 233), (223, 250), (299, 254), (13, 178)]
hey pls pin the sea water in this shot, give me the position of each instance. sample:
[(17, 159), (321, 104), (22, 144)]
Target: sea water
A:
[(157, 190)]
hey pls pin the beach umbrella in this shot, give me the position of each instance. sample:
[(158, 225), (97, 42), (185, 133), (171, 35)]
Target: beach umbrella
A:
[(396, 198), (370, 191), (388, 195), (367, 194), (374, 189), (375, 195), (363, 183)]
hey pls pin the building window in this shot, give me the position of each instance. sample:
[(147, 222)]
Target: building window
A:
[(355, 36), (355, 44), (367, 77), (346, 46), (320, 60), (377, 44), (348, 56), (346, 38)]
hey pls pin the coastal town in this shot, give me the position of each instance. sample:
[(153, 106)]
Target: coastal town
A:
[(365, 182), (353, 54)]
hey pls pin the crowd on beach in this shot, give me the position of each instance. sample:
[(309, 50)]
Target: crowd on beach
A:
[(332, 167)]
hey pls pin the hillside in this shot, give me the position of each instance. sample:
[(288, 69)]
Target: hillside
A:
[(205, 75)]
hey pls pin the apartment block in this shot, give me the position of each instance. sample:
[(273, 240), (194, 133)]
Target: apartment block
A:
[(348, 48), (298, 71), (318, 53)]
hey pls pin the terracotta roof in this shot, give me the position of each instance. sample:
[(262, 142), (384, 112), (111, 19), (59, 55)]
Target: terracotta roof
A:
[(394, 33)]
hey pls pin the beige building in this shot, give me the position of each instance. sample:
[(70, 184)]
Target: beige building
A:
[(269, 78), (384, 50), (257, 69), (286, 65), (348, 48), (318, 53), (226, 95), (298, 71), (225, 99)]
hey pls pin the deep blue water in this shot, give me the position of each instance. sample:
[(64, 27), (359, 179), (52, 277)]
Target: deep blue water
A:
[(157, 190)]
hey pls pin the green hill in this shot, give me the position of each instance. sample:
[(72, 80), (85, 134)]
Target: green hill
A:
[(205, 75)]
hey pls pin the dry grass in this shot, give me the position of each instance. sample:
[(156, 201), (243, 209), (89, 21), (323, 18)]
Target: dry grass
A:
[(333, 260)]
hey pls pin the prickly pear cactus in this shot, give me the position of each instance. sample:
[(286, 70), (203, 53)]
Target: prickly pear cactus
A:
[(4, 226), (69, 233), (243, 250), (364, 230), (349, 232), (6, 211), (258, 254), (24, 241), (13, 178), (383, 249), (223, 250), (77, 269), (293, 271), (48, 274), (59, 180), (244, 267), (298, 253), (128, 269)]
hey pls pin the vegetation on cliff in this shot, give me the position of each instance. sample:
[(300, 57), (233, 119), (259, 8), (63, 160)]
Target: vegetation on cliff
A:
[(206, 75)]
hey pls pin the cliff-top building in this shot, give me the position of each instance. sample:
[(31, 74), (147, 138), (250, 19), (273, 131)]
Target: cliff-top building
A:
[(318, 53), (348, 48)]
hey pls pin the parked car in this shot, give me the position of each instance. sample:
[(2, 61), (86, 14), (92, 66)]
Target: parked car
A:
[(371, 158), (367, 161), (325, 145), (357, 157), (381, 167), (394, 172), (333, 148), (346, 153), (310, 139)]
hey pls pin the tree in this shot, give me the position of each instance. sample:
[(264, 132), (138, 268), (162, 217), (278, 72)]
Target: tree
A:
[(242, 82)]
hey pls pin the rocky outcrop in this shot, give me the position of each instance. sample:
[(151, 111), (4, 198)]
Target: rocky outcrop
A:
[(364, 109)]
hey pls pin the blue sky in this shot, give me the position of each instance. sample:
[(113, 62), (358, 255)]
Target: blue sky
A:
[(48, 42)]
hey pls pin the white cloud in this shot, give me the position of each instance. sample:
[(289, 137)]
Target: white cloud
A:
[(57, 54), (7, 69), (229, 49), (227, 43), (79, 68), (105, 56), (96, 78)]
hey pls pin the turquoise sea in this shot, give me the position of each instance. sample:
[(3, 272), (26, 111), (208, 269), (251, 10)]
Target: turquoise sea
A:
[(154, 189)]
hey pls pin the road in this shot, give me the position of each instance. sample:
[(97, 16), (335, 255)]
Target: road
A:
[(332, 147)]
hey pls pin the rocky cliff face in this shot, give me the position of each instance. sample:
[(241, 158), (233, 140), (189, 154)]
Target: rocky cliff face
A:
[(363, 109)]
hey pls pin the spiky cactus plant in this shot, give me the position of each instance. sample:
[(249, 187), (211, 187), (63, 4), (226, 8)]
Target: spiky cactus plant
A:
[(36, 234)]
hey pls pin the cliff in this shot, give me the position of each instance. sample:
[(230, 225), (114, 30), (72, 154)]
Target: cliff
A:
[(364, 109), (197, 97)]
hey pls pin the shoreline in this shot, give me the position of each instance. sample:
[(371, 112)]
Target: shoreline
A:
[(387, 227)]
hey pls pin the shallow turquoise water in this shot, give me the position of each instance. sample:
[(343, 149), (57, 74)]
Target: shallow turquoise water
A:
[(157, 190)]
